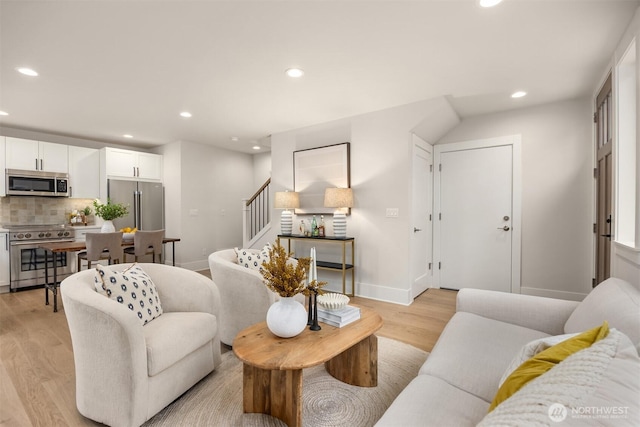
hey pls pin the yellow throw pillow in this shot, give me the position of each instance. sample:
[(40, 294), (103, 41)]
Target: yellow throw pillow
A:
[(545, 360)]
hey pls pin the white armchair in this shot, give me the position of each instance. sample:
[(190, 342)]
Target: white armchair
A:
[(126, 372), (245, 298)]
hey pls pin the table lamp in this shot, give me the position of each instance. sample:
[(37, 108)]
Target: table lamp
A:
[(286, 200), (340, 198)]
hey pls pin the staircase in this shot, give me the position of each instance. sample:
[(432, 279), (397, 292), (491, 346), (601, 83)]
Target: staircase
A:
[(257, 215)]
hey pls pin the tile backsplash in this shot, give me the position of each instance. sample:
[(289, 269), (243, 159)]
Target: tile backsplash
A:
[(28, 210)]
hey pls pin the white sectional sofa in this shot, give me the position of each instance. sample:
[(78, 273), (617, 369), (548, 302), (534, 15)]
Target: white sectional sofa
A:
[(596, 386)]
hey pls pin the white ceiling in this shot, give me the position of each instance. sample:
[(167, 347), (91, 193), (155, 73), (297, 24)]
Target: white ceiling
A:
[(109, 68)]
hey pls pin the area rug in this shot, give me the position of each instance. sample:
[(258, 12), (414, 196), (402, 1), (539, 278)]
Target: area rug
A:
[(217, 399)]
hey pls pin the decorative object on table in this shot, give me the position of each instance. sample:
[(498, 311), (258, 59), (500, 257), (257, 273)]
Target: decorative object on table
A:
[(108, 212), (314, 227), (321, 227), (286, 318), (75, 218), (333, 301), (286, 200), (128, 233), (85, 214), (339, 318), (341, 199), (314, 289)]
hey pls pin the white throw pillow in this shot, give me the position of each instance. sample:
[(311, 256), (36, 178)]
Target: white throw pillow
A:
[(132, 288), (531, 349), (251, 259), (598, 385)]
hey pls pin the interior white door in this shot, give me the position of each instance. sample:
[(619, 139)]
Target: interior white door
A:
[(476, 218), (421, 234)]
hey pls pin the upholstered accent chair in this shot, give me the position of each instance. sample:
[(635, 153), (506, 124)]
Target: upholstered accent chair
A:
[(244, 296), (127, 372)]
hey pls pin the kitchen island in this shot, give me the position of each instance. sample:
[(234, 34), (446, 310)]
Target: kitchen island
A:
[(56, 248)]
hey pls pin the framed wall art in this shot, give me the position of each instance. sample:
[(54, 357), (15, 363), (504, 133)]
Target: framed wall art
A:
[(314, 170)]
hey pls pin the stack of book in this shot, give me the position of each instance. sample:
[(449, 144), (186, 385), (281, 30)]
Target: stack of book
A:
[(339, 318)]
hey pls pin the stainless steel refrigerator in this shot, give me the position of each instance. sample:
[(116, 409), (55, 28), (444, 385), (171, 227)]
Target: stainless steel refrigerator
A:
[(145, 201)]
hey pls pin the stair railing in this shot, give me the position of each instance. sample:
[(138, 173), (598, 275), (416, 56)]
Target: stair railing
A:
[(257, 213)]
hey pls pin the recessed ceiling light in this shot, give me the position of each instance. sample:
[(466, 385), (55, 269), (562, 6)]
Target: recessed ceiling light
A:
[(256, 147), (489, 3), (518, 94), (294, 72), (3, 113), (234, 138), (185, 114), (127, 136), (27, 71)]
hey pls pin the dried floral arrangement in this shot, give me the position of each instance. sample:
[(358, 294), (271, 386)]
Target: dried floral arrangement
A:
[(286, 278)]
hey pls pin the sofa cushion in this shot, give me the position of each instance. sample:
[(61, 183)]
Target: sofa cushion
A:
[(430, 401), (546, 360), (599, 385), (531, 349), (483, 349), (172, 336), (132, 288), (613, 300), (253, 259)]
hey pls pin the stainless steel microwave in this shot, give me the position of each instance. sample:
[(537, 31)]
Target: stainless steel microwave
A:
[(37, 183)]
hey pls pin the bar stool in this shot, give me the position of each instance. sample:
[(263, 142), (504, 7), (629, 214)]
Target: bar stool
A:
[(102, 246), (146, 243)]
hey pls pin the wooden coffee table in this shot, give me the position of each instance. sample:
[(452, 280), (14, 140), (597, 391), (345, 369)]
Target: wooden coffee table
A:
[(272, 379)]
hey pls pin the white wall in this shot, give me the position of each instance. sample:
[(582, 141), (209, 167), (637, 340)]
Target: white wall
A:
[(380, 178), (261, 169), (172, 181), (204, 202), (557, 199)]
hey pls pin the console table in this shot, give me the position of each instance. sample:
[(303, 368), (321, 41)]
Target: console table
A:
[(335, 266)]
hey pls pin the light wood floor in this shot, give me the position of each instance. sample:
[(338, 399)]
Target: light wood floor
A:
[(37, 379)]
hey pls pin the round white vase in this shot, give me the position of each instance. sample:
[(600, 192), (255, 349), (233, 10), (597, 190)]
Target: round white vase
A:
[(108, 227), (286, 318)]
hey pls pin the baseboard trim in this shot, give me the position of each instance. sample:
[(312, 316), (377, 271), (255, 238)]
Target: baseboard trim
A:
[(550, 293), (384, 293)]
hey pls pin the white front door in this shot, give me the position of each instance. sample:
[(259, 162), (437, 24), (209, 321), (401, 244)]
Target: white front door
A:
[(478, 224), (421, 233)]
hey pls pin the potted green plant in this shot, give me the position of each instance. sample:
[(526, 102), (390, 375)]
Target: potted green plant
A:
[(84, 213), (108, 212)]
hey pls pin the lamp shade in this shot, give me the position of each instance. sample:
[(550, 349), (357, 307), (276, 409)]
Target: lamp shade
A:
[(338, 198), (287, 200)]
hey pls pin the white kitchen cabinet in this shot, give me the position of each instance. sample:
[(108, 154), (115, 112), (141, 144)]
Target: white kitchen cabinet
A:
[(4, 262), (132, 164), (81, 231), (84, 172), (27, 154)]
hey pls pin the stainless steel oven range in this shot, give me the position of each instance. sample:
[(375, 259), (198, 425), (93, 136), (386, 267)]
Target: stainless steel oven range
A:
[(28, 261)]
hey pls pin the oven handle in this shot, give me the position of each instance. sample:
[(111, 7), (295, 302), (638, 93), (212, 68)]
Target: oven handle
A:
[(39, 242)]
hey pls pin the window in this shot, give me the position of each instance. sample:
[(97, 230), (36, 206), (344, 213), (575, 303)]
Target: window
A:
[(626, 176)]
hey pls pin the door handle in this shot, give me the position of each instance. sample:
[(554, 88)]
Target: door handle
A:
[(505, 228), (415, 230)]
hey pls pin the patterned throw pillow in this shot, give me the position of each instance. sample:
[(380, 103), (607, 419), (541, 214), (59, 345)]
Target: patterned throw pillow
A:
[(252, 260), (132, 288)]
